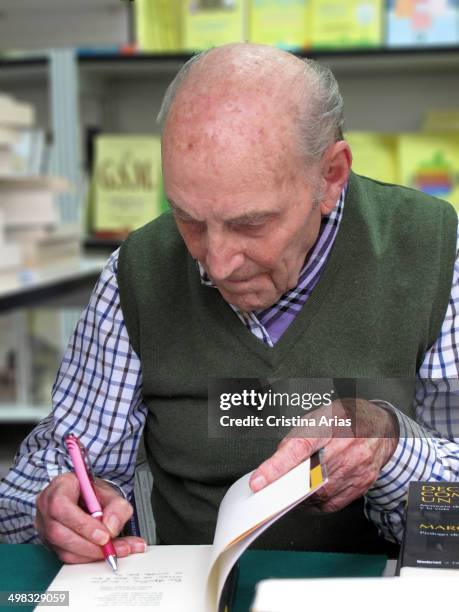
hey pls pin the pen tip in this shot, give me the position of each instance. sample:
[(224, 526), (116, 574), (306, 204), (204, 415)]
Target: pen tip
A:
[(113, 563)]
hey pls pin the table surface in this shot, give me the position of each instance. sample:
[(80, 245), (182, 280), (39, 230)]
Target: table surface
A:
[(26, 567)]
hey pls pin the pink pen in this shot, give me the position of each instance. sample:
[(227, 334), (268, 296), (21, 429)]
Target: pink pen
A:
[(83, 472)]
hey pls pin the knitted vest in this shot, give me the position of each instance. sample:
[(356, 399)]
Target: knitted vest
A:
[(377, 308)]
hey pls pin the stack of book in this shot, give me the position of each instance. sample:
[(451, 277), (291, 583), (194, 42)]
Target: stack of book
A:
[(14, 117), (30, 231)]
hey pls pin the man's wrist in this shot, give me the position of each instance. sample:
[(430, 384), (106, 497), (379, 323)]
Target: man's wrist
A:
[(390, 429), (115, 486)]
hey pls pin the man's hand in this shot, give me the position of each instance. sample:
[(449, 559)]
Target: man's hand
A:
[(76, 536), (353, 455)]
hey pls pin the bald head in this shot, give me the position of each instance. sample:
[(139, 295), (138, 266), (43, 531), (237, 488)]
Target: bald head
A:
[(273, 91), (244, 66), (232, 110)]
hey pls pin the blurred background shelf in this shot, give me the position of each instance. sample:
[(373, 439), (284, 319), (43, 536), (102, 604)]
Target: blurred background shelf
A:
[(359, 59), (22, 413), (65, 279), (108, 63)]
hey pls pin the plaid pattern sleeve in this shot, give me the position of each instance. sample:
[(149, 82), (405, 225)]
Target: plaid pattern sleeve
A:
[(428, 449), (96, 395)]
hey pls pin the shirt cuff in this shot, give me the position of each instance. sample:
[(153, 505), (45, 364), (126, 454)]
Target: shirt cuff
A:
[(414, 459), (117, 487)]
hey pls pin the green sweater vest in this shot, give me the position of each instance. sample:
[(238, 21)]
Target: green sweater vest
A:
[(377, 308)]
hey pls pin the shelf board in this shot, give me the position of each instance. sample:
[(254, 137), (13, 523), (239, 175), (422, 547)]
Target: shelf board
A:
[(23, 413), (24, 69), (423, 59), (30, 286), (351, 60)]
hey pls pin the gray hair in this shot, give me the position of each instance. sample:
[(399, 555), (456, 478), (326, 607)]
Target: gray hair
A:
[(174, 87), (321, 116)]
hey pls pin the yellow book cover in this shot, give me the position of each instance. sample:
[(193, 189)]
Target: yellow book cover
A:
[(374, 155), (176, 24), (430, 162), (126, 182), (354, 23), (147, 26), (170, 20), (281, 23), (209, 23)]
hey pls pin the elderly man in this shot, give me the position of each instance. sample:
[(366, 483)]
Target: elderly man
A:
[(276, 261)]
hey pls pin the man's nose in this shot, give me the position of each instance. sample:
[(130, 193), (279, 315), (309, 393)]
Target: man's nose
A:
[(223, 257)]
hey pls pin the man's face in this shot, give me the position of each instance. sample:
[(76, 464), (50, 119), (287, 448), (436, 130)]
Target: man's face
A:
[(250, 227)]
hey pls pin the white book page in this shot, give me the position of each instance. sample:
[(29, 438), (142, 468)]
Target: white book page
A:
[(163, 579), (244, 515), (242, 510)]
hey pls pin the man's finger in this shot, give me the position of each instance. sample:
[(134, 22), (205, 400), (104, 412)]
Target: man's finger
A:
[(286, 457), (136, 545), (123, 548), (64, 511), (116, 514), (65, 539)]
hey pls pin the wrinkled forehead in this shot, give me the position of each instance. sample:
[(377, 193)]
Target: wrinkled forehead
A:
[(236, 135)]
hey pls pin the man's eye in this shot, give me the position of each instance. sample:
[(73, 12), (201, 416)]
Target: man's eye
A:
[(250, 227), (192, 224)]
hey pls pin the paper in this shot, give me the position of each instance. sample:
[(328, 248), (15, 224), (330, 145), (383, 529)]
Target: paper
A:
[(162, 579)]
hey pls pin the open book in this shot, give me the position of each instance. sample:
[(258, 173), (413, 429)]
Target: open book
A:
[(175, 578)]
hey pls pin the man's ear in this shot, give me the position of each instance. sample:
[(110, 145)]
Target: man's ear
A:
[(336, 165)]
